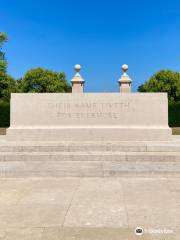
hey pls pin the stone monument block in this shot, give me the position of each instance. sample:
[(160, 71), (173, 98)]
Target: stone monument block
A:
[(89, 117)]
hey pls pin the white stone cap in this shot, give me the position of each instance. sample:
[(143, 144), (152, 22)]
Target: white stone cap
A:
[(125, 78), (77, 77)]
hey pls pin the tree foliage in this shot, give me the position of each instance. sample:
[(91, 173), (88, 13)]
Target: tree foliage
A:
[(3, 63), (174, 114), (43, 81), (7, 83), (164, 81), (3, 38), (4, 114), (7, 86)]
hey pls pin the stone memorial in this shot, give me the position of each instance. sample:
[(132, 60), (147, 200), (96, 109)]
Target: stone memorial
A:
[(89, 134), (80, 116)]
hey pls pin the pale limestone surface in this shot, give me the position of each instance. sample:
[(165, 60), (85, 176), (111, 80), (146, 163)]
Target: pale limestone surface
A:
[(89, 159), (89, 109), (89, 117), (89, 208)]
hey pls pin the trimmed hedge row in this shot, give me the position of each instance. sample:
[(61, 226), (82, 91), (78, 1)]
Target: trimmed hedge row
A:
[(4, 114), (174, 114)]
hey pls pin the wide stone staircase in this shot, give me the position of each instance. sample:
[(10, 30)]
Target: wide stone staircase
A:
[(89, 159)]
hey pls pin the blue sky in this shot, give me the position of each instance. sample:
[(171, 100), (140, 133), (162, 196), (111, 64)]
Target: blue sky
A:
[(101, 35)]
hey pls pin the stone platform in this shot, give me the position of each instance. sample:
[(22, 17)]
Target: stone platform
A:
[(89, 208), (89, 159)]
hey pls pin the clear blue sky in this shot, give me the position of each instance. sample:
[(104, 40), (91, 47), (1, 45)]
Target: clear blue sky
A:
[(101, 35)]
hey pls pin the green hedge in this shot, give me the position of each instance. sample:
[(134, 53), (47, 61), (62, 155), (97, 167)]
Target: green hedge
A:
[(174, 114), (4, 114)]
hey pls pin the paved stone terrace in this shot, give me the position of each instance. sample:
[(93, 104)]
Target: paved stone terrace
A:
[(89, 208)]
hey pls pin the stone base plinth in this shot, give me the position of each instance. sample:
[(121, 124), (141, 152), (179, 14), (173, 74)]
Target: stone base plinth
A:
[(89, 134)]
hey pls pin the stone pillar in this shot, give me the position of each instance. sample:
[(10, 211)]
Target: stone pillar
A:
[(125, 81), (77, 81)]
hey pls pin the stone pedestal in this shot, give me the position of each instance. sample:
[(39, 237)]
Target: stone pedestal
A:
[(77, 81), (125, 81)]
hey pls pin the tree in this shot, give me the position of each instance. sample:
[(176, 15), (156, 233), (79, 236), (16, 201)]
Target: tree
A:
[(164, 81), (3, 63), (43, 81), (7, 86), (7, 83)]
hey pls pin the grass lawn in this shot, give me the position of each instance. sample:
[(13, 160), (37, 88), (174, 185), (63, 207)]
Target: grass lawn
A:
[(176, 131), (2, 131)]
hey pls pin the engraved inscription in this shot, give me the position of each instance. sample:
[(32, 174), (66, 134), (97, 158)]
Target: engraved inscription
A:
[(89, 110)]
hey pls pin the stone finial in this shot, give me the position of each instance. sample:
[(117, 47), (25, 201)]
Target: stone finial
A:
[(125, 81), (125, 67), (77, 81), (77, 68)]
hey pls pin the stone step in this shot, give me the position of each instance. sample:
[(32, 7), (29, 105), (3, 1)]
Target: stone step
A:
[(87, 169), (96, 159), (94, 164), (91, 146), (90, 156)]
